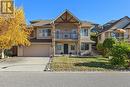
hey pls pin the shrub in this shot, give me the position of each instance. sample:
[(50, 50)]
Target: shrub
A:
[(107, 45), (100, 47), (109, 42), (8, 53), (119, 53), (117, 61)]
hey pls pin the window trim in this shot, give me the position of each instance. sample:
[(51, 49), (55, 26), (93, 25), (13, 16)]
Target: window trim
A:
[(41, 30), (74, 31), (71, 47), (60, 45), (82, 32), (84, 48)]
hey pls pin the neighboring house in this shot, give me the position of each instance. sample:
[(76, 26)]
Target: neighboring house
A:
[(96, 29), (64, 35), (112, 28)]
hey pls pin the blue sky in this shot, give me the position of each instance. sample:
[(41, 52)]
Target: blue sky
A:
[(97, 11)]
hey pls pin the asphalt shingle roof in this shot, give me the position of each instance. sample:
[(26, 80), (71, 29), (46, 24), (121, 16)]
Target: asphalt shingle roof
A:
[(48, 22), (110, 25)]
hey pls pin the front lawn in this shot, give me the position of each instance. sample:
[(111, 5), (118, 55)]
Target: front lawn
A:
[(80, 64)]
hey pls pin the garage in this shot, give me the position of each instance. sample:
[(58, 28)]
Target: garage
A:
[(36, 50)]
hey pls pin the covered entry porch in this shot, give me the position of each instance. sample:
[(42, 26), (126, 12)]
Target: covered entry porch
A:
[(72, 48), (66, 48)]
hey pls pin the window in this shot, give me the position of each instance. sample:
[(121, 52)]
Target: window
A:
[(113, 34), (58, 47), (74, 31), (58, 34), (118, 35), (84, 46), (44, 32), (72, 47), (84, 32), (74, 34), (58, 31)]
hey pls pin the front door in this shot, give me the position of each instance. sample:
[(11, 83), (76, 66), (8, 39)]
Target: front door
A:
[(65, 48)]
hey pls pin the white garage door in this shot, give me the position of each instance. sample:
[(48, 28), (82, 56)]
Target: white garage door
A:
[(36, 50)]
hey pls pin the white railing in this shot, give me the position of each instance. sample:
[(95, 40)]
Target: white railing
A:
[(66, 36)]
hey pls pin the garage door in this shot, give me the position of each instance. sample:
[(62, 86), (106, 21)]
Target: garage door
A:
[(36, 50)]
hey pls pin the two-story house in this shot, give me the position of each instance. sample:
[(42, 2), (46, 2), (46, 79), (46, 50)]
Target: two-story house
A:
[(119, 29), (66, 34)]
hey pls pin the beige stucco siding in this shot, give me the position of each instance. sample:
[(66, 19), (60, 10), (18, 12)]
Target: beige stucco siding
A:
[(35, 50), (101, 37)]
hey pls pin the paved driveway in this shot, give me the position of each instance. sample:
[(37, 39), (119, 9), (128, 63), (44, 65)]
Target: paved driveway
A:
[(24, 64)]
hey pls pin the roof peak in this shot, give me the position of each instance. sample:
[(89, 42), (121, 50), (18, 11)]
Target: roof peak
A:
[(125, 17), (66, 11)]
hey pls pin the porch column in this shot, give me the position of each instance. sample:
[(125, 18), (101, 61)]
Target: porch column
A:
[(79, 40), (20, 51), (128, 34), (53, 39), (90, 47)]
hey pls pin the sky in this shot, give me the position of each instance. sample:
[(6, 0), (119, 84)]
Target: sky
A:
[(97, 11)]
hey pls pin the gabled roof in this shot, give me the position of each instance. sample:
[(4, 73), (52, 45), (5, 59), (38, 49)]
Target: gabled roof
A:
[(86, 23), (41, 23), (40, 40), (111, 25), (97, 28), (48, 23), (67, 16), (127, 26)]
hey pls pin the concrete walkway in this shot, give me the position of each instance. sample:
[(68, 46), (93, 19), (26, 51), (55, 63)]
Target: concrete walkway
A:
[(24, 64)]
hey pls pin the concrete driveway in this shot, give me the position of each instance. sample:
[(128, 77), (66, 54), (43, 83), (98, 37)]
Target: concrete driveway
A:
[(24, 64)]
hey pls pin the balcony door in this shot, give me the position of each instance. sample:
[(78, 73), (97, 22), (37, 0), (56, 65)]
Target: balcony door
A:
[(65, 48)]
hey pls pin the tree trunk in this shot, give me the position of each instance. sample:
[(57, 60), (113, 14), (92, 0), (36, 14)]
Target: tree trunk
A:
[(3, 55)]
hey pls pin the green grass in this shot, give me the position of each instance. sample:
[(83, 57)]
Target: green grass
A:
[(80, 64)]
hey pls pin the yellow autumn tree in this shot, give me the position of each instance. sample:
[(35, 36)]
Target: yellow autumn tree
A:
[(13, 31)]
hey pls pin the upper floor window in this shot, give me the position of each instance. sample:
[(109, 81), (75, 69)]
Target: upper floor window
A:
[(84, 32), (119, 35), (74, 31), (113, 34), (58, 34), (58, 31), (44, 32)]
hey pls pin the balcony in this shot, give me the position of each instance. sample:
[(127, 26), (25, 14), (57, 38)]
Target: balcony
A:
[(66, 36), (122, 38)]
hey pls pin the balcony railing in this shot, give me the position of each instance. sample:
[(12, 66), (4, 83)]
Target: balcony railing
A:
[(66, 36), (125, 38)]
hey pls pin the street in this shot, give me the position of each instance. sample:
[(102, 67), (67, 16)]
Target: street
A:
[(46, 79)]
